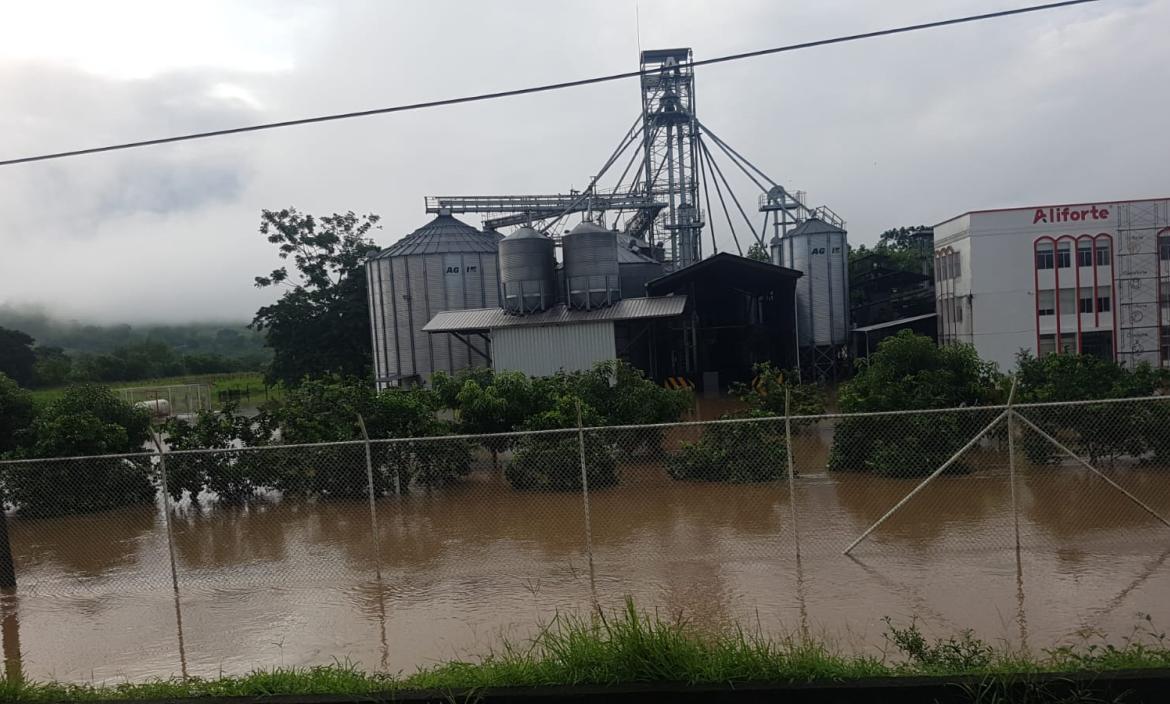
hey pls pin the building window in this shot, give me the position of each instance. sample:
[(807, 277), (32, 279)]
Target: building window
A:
[(1164, 294), (1103, 304), (1087, 305), (1098, 344), (1044, 257), (1164, 340), (1068, 301), (1164, 248), (1047, 345), (1084, 255), (1045, 303), (1063, 255), (1103, 255), (958, 310), (1068, 343), (955, 273)]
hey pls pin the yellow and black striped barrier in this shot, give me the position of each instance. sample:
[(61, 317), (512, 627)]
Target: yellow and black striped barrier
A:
[(678, 382)]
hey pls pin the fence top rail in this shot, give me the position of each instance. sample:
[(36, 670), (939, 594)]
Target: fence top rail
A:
[(596, 429), (1092, 402), (146, 454)]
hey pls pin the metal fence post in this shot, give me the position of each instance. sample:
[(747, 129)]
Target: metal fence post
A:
[(585, 499), (373, 503), (791, 471), (1011, 433), (166, 492), (7, 566)]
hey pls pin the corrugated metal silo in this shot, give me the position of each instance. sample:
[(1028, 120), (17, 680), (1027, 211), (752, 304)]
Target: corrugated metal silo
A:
[(444, 265), (634, 270), (527, 263), (591, 266), (820, 251)]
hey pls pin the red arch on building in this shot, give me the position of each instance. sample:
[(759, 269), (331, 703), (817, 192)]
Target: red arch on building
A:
[(1074, 241)]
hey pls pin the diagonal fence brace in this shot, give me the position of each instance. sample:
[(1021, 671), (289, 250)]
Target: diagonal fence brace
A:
[(1091, 468), (942, 468)]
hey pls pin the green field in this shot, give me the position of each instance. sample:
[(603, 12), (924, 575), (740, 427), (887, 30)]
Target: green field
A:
[(252, 382)]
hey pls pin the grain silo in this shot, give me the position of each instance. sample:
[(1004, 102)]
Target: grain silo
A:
[(636, 266), (444, 265), (527, 265), (591, 271), (820, 251)]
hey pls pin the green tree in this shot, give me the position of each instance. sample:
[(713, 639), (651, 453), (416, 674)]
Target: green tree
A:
[(902, 238), (16, 413), (620, 394), (17, 359), (767, 393), (1104, 431), (902, 249), (232, 475), (86, 420), (907, 372), (748, 447), (327, 410), (489, 403), (552, 461), (758, 252), (52, 367), (320, 325)]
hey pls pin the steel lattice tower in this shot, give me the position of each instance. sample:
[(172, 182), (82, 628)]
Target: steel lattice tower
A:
[(669, 133)]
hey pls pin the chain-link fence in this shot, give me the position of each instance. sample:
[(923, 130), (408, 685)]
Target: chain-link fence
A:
[(1028, 523)]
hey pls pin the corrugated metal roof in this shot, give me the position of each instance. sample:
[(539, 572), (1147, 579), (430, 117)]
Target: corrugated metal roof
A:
[(813, 226), (445, 234), (488, 318), (724, 268)]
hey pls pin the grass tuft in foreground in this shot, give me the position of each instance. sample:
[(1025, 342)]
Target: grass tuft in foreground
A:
[(627, 647)]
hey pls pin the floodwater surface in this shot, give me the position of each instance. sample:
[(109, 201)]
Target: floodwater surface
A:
[(286, 583)]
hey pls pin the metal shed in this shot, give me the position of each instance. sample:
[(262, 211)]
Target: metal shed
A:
[(559, 338)]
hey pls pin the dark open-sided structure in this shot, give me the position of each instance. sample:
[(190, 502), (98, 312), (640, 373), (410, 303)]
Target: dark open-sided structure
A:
[(740, 312)]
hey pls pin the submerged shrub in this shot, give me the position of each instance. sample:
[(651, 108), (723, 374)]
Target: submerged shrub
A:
[(232, 475), (552, 461), (86, 420), (903, 445), (741, 451), (910, 372)]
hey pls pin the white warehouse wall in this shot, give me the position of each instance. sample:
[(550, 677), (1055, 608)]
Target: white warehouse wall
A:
[(544, 350)]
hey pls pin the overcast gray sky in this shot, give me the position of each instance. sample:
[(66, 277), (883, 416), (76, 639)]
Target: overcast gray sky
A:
[(1063, 106)]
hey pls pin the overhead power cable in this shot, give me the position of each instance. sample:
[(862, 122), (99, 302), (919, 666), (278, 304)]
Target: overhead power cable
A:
[(542, 88)]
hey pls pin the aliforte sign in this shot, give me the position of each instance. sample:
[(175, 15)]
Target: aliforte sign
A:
[(1069, 213)]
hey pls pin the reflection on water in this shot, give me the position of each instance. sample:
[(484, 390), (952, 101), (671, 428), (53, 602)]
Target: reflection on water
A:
[(294, 582)]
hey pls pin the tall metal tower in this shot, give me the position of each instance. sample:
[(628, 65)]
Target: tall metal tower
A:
[(669, 135)]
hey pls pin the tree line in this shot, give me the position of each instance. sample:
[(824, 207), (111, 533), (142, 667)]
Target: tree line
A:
[(481, 411), (34, 365)]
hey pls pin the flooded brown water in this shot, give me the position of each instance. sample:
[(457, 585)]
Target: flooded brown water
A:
[(294, 582)]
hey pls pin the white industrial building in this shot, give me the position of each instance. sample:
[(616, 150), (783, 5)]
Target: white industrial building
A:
[(558, 338), (1092, 278)]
